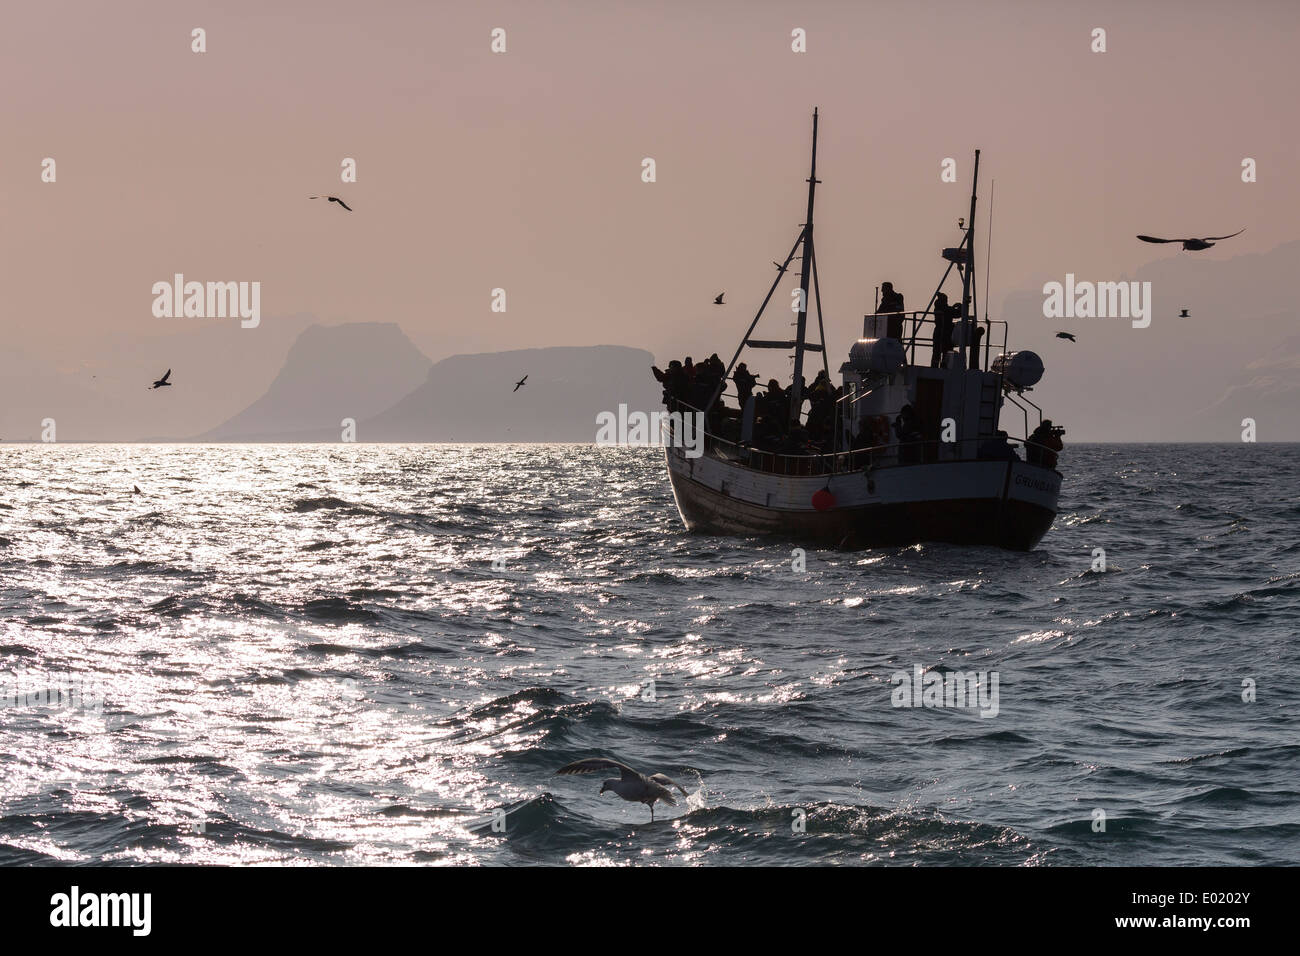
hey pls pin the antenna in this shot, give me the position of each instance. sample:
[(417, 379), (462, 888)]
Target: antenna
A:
[(988, 253), (969, 288), (796, 385)]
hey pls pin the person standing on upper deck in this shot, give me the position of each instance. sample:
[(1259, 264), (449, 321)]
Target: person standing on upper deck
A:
[(944, 314), (891, 302)]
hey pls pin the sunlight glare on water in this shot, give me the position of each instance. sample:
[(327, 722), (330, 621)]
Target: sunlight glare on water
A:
[(370, 653)]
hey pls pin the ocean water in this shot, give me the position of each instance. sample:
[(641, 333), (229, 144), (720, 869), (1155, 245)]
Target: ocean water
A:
[(361, 654)]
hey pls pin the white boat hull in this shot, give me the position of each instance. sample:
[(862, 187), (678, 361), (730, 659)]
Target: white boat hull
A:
[(1008, 504)]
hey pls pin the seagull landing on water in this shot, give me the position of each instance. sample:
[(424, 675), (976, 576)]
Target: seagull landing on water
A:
[(1065, 335), (718, 300), (333, 199), (162, 382), (519, 383), (1193, 245), (631, 786)]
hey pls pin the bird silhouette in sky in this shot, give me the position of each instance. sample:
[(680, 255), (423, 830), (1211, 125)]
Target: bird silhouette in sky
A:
[(333, 199), (1065, 335), (631, 786), (518, 383), (1193, 245), (162, 382), (718, 300), (1183, 314)]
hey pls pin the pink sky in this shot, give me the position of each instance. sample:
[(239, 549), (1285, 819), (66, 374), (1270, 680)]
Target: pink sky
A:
[(522, 170)]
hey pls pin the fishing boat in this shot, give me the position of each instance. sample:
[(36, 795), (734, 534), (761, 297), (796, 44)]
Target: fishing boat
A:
[(914, 448)]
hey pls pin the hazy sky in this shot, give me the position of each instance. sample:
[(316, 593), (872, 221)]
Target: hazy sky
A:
[(522, 170)]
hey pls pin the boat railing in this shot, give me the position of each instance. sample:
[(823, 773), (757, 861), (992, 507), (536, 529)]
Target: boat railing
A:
[(921, 333), (891, 455), (920, 328)]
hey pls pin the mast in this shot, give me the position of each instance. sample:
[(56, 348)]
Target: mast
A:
[(796, 388), (968, 317)]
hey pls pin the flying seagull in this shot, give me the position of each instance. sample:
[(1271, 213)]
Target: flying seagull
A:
[(1193, 245), (518, 383), (631, 786), (1065, 335), (718, 300), (333, 199), (162, 381)]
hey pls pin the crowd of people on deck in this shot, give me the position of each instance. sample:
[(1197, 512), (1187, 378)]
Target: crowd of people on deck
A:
[(693, 387), (689, 386)]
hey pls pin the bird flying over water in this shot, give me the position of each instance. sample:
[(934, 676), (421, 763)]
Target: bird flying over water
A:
[(1193, 245), (718, 300), (631, 786), (333, 199), (162, 381), (518, 383), (1065, 335)]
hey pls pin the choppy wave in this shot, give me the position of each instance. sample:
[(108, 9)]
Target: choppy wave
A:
[(363, 654)]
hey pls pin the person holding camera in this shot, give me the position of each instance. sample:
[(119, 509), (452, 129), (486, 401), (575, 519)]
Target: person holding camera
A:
[(1044, 444)]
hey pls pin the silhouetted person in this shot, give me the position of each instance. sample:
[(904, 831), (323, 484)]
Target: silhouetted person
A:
[(703, 385), (944, 315), (775, 406), (712, 373), (745, 381), (673, 381), (1044, 444), (891, 302), (774, 394), (821, 409)]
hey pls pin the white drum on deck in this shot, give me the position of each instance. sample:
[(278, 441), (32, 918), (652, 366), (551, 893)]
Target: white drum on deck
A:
[(1021, 369), (877, 355)]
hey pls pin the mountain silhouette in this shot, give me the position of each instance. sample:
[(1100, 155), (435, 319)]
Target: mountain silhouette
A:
[(331, 373), (370, 372), (470, 398), (1268, 391)]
